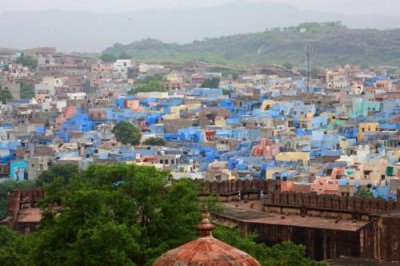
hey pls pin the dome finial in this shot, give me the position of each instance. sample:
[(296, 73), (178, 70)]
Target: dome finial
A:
[(205, 227)]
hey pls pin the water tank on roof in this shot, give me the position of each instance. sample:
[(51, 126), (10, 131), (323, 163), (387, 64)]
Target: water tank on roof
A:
[(390, 171)]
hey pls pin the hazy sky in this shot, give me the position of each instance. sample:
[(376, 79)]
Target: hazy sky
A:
[(385, 7)]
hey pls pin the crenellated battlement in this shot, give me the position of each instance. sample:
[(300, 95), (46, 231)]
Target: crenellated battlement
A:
[(296, 203)]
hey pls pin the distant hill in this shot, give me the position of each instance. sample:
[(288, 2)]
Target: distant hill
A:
[(90, 31), (332, 43)]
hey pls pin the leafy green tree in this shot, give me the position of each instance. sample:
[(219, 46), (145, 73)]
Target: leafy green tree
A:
[(284, 254), (227, 92), (95, 227), (5, 95), (7, 186), (364, 193), (153, 141), (127, 133), (115, 215), (212, 83), (287, 253), (288, 65), (153, 83), (124, 55), (27, 90), (108, 58), (65, 171), (151, 86), (27, 61), (6, 236)]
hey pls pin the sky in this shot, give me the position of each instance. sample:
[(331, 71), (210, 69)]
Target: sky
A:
[(354, 7)]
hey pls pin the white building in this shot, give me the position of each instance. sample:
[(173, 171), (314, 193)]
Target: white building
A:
[(120, 68)]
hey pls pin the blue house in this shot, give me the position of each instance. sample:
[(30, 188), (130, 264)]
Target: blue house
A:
[(349, 132), (79, 122), (120, 115), (191, 134), (153, 119), (240, 133), (18, 170), (322, 140), (207, 92), (227, 104), (319, 122)]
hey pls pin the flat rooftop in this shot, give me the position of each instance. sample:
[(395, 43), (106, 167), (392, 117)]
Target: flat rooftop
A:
[(311, 222), (390, 214), (242, 212), (31, 215)]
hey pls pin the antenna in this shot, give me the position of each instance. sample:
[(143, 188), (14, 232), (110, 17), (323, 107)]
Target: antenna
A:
[(308, 54)]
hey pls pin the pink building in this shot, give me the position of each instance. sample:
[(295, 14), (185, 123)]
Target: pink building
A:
[(67, 113), (267, 148), (325, 186), (337, 173), (132, 104), (288, 186), (98, 114)]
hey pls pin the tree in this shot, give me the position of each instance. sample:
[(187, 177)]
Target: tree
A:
[(64, 171), (5, 95), (153, 83), (284, 254), (27, 61), (364, 193), (288, 65), (95, 227), (212, 83), (27, 90), (8, 238), (126, 133), (124, 55), (154, 141), (115, 215), (227, 92), (107, 57)]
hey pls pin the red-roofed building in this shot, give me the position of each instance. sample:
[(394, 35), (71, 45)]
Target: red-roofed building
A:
[(206, 250), (22, 213)]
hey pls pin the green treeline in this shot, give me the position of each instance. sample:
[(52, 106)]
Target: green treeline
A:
[(332, 43)]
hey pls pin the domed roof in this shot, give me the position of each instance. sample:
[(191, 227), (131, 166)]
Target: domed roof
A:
[(206, 250)]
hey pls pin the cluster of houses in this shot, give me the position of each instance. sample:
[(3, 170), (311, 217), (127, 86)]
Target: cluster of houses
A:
[(337, 134)]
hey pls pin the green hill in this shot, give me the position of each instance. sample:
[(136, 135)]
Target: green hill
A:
[(332, 43)]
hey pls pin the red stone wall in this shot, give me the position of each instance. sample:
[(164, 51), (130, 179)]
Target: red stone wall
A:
[(20, 199), (331, 203), (234, 186)]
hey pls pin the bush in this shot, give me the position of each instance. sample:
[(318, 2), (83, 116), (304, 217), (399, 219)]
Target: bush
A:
[(126, 133), (154, 142)]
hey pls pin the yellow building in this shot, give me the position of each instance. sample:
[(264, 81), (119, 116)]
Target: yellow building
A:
[(304, 157), (267, 104), (344, 144), (367, 127)]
